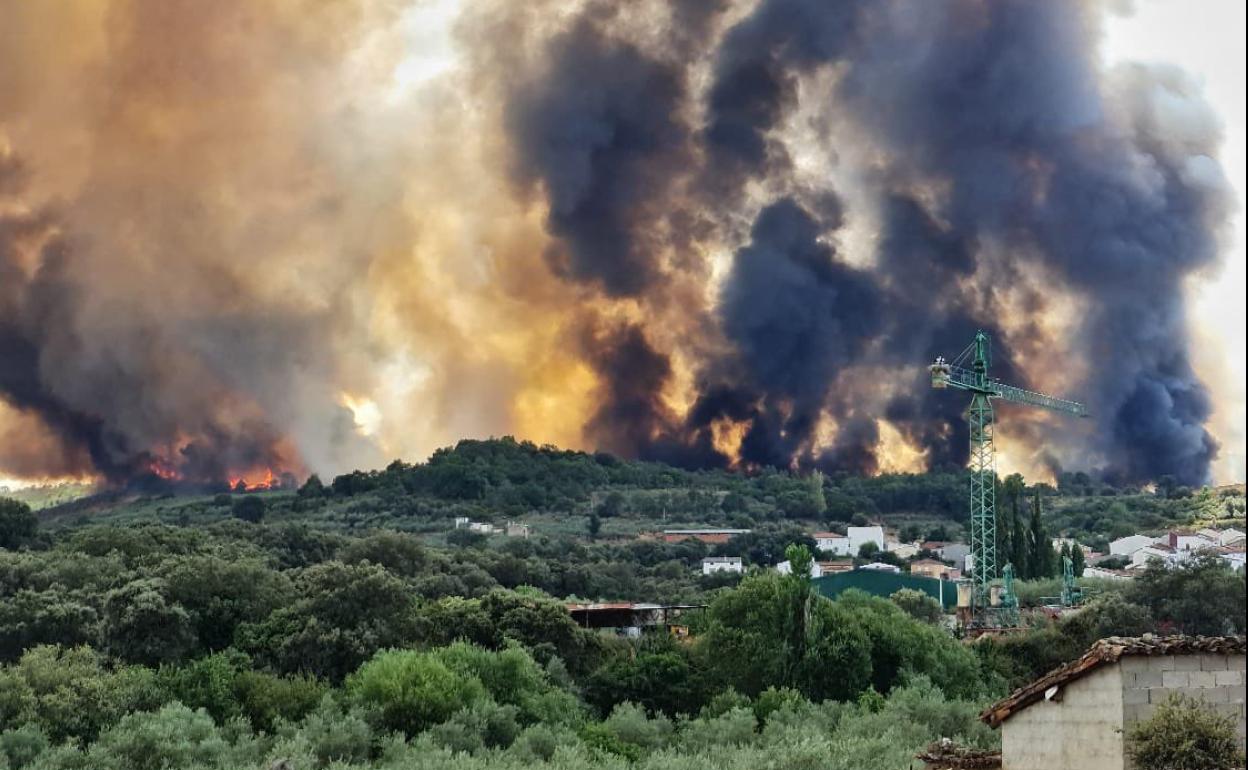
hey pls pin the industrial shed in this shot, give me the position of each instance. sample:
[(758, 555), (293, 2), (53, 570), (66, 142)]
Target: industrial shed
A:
[(881, 583)]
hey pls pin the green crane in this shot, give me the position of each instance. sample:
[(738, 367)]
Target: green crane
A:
[(969, 372)]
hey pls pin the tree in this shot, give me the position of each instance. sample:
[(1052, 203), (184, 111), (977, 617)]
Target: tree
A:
[(249, 508), (411, 691), (612, 505), (141, 625), (1200, 596), (18, 523), (773, 630), (312, 488), (918, 605), (1015, 487), (868, 551), (1185, 734), (1078, 560), (594, 525), (1041, 559)]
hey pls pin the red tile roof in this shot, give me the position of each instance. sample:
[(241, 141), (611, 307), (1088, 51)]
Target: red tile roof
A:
[(1109, 651)]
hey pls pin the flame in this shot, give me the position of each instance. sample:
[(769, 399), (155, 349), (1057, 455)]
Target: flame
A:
[(257, 481), (727, 435)]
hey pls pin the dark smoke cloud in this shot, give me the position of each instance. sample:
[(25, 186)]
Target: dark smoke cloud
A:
[(598, 128), (996, 142), (196, 296)]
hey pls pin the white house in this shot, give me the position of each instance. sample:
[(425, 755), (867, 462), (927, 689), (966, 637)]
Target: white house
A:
[(1106, 574), (1236, 560), (1164, 553), (713, 564), (1191, 541), (860, 536), (461, 521), (784, 568), (1125, 546), (1222, 536), (832, 543), (881, 567)]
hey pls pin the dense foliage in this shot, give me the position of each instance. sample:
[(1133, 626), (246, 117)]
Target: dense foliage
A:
[(351, 623)]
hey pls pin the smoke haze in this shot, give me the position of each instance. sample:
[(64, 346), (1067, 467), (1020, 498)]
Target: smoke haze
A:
[(251, 237)]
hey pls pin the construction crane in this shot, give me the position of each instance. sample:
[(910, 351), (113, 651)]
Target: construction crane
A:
[(969, 372)]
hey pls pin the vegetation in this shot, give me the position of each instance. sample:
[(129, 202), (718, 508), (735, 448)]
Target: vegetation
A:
[(1185, 734), (351, 624)]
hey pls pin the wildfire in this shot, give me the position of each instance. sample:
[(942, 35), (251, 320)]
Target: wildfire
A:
[(259, 481), (162, 468)]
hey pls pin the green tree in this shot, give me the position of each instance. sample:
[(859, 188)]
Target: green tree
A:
[(1041, 560), (918, 605), (312, 489), (1185, 734), (773, 630), (140, 625), (594, 525), (18, 523), (1078, 560), (249, 508), (411, 691), (1200, 596), (612, 505)]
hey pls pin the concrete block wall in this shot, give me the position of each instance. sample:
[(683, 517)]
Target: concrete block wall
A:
[(1082, 730), (1217, 679)]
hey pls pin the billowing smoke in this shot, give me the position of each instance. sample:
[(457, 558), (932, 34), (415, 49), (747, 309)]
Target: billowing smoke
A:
[(249, 238)]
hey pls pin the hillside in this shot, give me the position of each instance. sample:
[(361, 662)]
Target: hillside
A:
[(557, 492)]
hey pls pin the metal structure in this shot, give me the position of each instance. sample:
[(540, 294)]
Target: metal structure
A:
[(969, 372)]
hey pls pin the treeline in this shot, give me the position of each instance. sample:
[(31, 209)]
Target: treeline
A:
[(172, 647)]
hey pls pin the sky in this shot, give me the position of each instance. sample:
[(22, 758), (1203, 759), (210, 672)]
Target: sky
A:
[(1206, 38)]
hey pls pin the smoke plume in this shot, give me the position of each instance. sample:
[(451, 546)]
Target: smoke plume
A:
[(302, 236)]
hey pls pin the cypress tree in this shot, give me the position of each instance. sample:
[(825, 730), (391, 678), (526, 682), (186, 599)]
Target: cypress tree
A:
[(1041, 558), (1018, 539)]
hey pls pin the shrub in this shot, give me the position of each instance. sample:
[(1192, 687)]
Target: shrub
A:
[(249, 508), (20, 746), (412, 691), (1185, 734)]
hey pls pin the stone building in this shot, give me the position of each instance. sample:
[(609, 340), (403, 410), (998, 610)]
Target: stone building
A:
[(1075, 717)]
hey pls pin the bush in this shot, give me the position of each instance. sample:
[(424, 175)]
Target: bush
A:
[(20, 746), (412, 691), (918, 605), (1185, 734), (17, 523), (250, 508)]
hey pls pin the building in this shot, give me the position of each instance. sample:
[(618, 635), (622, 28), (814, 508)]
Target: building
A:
[(882, 567), (1190, 541), (885, 584), (1222, 537), (629, 618), (903, 550), (1075, 716), (713, 564), (713, 536), (1164, 553), (1125, 546), (1234, 556), (516, 529), (831, 542), (1058, 542), (462, 521), (931, 568), (1106, 574), (956, 553), (860, 536), (785, 568)]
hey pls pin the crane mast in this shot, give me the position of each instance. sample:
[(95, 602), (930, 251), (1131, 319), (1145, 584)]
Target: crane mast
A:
[(969, 372)]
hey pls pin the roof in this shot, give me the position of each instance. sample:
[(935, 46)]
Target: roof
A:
[(925, 562), (1109, 651), (705, 531), (945, 754), (828, 536), (722, 560)]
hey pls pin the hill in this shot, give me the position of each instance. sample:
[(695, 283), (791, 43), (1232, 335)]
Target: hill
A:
[(558, 492)]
